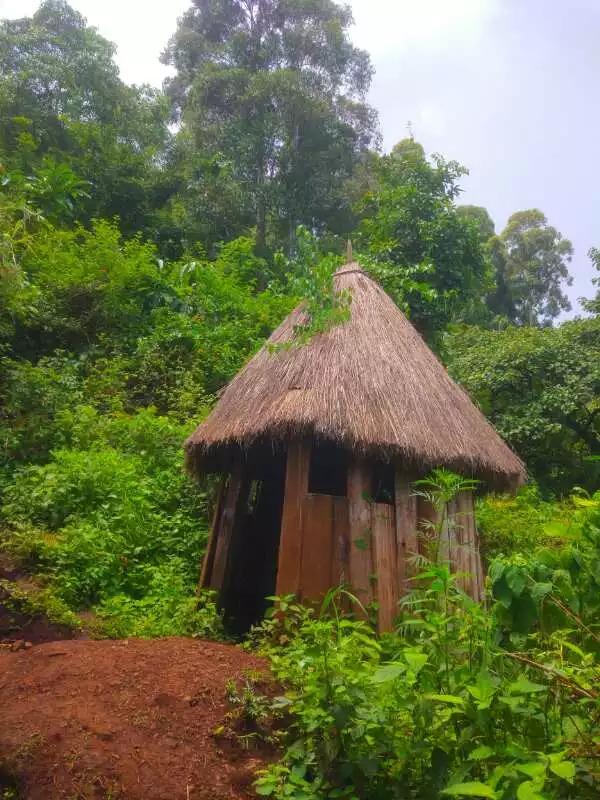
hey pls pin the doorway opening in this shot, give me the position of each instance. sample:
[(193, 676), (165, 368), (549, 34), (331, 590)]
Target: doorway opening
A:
[(255, 548)]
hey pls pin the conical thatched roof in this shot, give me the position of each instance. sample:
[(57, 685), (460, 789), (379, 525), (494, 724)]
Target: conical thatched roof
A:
[(370, 383)]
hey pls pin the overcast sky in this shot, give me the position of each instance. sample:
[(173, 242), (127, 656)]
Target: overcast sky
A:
[(506, 87)]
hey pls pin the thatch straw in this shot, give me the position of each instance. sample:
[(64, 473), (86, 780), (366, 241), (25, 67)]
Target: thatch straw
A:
[(371, 384)]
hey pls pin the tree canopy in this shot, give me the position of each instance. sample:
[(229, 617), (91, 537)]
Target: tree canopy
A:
[(426, 252), (531, 260), (272, 95)]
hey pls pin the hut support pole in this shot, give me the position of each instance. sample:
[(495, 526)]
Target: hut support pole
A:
[(407, 544), (472, 558), (385, 564), (290, 543), (226, 527), (209, 556), (360, 556)]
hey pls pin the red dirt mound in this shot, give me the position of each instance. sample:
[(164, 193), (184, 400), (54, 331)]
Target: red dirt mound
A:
[(126, 720)]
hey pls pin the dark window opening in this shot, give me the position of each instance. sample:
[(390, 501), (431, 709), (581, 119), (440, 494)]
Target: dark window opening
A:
[(328, 472), (383, 483)]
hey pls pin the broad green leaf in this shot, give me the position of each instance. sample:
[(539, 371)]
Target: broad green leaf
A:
[(541, 590), (415, 659), (502, 591), (564, 769), (470, 789), (264, 789), (496, 570), (528, 791), (483, 691), (516, 578), (389, 672), (481, 753), (452, 699), (532, 768), (525, 686)]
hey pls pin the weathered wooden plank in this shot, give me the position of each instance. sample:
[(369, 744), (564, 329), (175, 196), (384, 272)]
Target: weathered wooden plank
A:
[(339, 557), (290, 543), (385, 564), (407, 544), (228, 519), (360, 559), (473, 549), (452, 534), (317, 546), (480, 583), (472, 559), (459, 548), (209, 556), (428, 525)]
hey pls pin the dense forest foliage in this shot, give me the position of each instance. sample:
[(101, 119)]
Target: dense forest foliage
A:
[(149, 242)]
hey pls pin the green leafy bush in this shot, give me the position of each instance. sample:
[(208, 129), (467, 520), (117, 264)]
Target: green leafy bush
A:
[(461, 700), (435, 710), (550, 587), (105, 515), (167, 608), (516, 524)]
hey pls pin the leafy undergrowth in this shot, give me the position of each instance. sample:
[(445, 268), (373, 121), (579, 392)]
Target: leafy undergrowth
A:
[(461, 700), (513, 524), (113, 525)]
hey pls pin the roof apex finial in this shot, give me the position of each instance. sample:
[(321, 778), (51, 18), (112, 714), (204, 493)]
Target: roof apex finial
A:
[(349, 258)]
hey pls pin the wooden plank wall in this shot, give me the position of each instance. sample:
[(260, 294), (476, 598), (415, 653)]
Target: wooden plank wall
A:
[(290, 543), (328, 540), (341, 544), (470, 556), (228, 524), (209, 557), (407, 542), (360, 553), (317, 546), (385, 563)]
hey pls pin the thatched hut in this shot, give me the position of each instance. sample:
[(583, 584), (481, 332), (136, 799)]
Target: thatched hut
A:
[(318, 444)]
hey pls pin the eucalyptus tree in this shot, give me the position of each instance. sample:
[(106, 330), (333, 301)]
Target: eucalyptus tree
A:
[(531, 261), (272, 92)]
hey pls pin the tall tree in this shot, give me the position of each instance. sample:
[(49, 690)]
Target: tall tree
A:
[(428, 256), (531, 267), (60, 94), (593, 305), (273, 93), (480, 217)]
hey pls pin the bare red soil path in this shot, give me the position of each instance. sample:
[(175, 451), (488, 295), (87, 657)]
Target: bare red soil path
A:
[(125, 720)]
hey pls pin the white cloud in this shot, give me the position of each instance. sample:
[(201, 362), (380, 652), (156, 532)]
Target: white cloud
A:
[(139, 28), (388, 25)]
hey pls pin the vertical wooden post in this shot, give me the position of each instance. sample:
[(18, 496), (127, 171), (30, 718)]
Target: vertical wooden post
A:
[(317, 546), (471, 544), (428, 523), (341, 525), (407, 544), (480, 582), (385, 564), (360, 558), (228, 518), (209, 556), (290, 543)]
